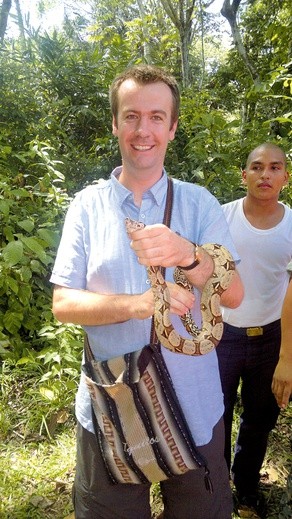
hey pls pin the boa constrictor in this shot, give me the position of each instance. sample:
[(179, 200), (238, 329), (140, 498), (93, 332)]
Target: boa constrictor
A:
[(206, 338)]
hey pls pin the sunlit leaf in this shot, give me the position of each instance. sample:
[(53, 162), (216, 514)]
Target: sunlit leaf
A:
[(13, 253)]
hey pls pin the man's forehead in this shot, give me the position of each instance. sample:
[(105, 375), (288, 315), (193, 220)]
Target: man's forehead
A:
[(267, 155), (150, 97)]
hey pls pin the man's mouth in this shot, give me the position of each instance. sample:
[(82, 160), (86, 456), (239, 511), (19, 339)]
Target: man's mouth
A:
[(142, 148), (264, 184)]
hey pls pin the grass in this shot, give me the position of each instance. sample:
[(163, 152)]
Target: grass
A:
[(36, 477), (37, 456)]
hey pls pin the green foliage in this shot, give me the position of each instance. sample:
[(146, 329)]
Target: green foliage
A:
[(32, 208), (265, 104), (46, 380), (209, 142)]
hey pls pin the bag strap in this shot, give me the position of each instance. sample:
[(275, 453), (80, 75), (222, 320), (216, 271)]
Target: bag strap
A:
[(88, 355), (166, 221)]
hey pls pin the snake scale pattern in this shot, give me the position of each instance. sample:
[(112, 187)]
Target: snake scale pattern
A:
[(201, 340)]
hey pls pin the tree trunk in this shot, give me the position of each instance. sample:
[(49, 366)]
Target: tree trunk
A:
[(229, 11), (185, 63), (146, 45), (202, 46), (4, 13), (181, 15)]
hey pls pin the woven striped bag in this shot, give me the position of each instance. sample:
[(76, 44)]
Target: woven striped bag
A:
[(138, 421)]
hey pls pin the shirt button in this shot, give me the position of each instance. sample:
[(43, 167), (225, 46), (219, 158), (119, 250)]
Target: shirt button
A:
[(142, 215), (148, 281)]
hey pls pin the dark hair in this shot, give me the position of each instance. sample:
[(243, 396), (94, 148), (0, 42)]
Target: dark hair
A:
[(143, 75), (266, 145)]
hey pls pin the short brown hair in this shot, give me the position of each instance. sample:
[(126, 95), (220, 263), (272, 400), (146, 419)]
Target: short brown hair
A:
[(143, 75)]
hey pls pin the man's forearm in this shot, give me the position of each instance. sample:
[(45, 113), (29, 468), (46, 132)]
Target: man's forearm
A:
[(286, 326), (200, 274), (87, 308)]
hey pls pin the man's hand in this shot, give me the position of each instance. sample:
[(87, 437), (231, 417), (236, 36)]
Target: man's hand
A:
[(181, 301), (282, 383), (158, 245)]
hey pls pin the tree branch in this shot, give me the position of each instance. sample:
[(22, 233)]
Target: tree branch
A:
[(229, 11), (4, 13)]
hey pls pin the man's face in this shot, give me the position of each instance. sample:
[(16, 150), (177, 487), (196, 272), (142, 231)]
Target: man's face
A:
[(143, 126), (266, 174)]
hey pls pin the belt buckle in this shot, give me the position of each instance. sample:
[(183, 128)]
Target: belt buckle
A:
[(254, 331)]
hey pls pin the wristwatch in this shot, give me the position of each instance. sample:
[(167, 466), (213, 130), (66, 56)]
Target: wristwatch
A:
[(195, 262)]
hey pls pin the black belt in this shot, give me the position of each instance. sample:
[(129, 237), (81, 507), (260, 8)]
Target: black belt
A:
[(252, 331)]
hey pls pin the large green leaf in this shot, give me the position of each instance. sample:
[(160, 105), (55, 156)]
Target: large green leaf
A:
[(27, 225), (13, 253), (4, 207), (24, 294), (13, 284), (12, 321), (33, 245), (50, 237)]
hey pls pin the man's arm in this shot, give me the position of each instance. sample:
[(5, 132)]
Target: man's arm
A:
[(159, 245), (91, 309), (282, 379)]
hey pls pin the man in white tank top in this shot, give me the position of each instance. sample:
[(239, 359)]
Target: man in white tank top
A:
[(261, 228)]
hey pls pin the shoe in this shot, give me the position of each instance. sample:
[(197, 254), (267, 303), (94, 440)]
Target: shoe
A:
[(252, 506)]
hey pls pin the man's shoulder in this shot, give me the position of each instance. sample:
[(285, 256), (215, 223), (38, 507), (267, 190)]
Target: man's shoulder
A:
[(229, 206), (288, 209), (191, 189), (91, 190), (287, 220)]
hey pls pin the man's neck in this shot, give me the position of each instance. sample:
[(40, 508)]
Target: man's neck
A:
[(263, 214), (139, 184)]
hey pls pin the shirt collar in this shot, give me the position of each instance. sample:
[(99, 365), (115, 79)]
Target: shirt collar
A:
[(157, 191)]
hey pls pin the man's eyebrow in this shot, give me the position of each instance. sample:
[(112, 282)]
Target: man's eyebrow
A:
[(155, 111), (256, 162), (158, 111)]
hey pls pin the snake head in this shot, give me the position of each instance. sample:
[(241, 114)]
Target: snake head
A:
[(133, 225)]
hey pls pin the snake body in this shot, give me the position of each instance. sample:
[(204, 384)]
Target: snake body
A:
[(204, 339)]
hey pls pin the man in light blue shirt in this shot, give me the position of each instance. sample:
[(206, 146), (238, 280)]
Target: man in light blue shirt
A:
[(101, 283)]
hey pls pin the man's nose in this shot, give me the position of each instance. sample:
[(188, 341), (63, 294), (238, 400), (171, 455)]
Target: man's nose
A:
[(142, 128), (266, 172)]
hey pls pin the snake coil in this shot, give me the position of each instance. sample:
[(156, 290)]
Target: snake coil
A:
[(203, 339)]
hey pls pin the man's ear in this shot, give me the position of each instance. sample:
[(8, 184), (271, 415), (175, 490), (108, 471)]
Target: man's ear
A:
[(287, 175), (114, 127), (173, 130), (243, 176)]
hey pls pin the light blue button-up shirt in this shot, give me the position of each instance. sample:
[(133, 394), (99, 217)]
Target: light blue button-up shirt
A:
[(95, 254)]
